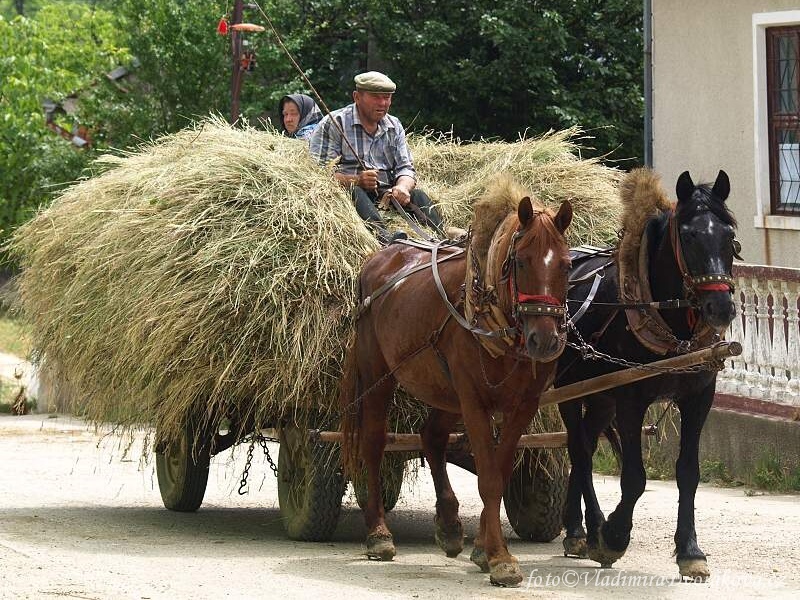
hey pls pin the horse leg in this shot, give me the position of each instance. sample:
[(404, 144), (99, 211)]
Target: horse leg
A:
[(691, 560), (503, 568), (599, 412), (372, 441), (574, 534), (583, 432), (615, 534), (490, 547), (449, 532)]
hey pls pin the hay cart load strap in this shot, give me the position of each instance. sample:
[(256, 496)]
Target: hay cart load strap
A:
[(405, 442)]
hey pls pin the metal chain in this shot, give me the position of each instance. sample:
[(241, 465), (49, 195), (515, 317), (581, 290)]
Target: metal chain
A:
[(262, 441), (489, 384), (590, 352)]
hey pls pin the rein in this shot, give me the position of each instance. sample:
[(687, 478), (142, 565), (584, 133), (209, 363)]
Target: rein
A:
[(433, 265), (707, 282), (498, 333)]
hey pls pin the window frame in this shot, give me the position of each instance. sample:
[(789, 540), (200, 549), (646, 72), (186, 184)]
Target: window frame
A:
[(766, 217), (779, 120)]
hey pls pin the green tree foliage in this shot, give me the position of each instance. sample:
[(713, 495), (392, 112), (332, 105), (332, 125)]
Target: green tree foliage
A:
[(184, 69), (481, 68), (64, 50)]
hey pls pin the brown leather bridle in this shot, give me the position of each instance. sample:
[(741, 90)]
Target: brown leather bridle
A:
[(706, 282), (523, 304)]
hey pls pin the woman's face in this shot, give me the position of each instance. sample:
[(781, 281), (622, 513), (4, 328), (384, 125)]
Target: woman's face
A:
[(291, 116)]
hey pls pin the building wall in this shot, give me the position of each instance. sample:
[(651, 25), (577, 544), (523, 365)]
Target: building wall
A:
[(703, 110)]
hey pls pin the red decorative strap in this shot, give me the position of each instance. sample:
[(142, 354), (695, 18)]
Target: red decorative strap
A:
[(538, 298), (713, 287)]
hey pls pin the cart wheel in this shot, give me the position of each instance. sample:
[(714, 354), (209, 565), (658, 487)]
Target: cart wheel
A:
[(310, 486), (392, 469), (536, 494), (182, 473)]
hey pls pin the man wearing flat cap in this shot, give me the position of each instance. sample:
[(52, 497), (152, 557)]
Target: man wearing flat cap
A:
[(378, 141)]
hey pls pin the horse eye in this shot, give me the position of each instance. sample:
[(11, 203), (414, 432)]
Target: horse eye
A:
[(520, 265)]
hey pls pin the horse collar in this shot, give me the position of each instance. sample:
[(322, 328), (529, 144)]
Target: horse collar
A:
[(646, 324)]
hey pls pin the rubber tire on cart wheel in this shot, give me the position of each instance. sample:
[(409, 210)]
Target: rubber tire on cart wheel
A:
[(182, 473), (310, 486), (392, 469), (535, 496)]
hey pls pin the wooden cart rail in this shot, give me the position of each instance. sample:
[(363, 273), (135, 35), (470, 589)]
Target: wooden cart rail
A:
[(411, 442)]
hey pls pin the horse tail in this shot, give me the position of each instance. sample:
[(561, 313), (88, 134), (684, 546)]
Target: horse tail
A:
[(351, 408)]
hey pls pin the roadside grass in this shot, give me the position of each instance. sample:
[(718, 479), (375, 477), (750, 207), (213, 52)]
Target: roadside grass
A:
[(769, 473), (13, 337), (13, 340)]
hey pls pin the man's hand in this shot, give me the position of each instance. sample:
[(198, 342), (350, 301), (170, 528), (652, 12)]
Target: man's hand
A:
[(401, 194), (368, 180)]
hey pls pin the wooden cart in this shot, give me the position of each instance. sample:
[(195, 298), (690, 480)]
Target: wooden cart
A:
[(311, 485)]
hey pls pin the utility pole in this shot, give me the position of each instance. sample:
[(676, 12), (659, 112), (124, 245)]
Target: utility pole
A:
[(236, 52)]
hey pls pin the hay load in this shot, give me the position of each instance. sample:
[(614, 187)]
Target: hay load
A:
[(213, 271)]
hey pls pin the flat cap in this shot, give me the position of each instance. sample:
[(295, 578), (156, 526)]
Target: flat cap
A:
[(372, 81)]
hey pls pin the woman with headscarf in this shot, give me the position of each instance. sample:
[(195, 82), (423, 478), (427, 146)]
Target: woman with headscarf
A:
[(299, 116)]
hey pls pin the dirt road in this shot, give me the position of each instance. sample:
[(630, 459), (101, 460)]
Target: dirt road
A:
[(82, 518)]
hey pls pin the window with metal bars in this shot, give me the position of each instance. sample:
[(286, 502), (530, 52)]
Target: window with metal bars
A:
[(783, 92)]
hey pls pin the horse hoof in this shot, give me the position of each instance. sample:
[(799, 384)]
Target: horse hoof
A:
[(478, 556), (380, 546), (603, 554), (505, 574), (575, 547), (450, 539), (694, 569)]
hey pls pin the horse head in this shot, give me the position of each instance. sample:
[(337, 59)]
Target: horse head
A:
[(702, 230), (537, 270)]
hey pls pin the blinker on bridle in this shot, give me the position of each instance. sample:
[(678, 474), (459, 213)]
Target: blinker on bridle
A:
[(706, 282), (522, 304)]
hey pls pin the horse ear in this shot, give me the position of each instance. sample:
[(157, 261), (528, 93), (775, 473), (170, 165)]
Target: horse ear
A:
[(722, 186), (564, 216), (525, 211), (685, 187)]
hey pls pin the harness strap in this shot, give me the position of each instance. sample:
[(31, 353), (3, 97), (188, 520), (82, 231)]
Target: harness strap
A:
[(592, 292), (366, 302), (418, 213), (452, 309)]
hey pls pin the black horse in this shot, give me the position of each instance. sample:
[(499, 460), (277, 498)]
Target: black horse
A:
[(667, 252)]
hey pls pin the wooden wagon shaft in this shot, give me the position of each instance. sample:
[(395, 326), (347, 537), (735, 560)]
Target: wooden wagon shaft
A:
[(411, 442), (720, 351)]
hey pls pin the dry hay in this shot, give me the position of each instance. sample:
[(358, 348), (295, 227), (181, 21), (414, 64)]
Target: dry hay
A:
[(212, 272), (456, 174)]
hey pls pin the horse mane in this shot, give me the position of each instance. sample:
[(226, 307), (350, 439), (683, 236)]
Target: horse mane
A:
[(643, 198), (500, 199)]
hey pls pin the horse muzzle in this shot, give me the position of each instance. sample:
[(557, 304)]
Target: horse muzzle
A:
[(718, 310), (544, 344)]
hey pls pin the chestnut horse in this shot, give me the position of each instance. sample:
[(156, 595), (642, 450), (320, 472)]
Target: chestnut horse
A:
[(413, 337)]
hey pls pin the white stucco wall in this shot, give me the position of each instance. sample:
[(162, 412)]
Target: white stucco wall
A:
[(703, 110)]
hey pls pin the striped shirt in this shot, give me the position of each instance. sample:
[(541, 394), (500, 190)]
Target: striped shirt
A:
[(386, 151)]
